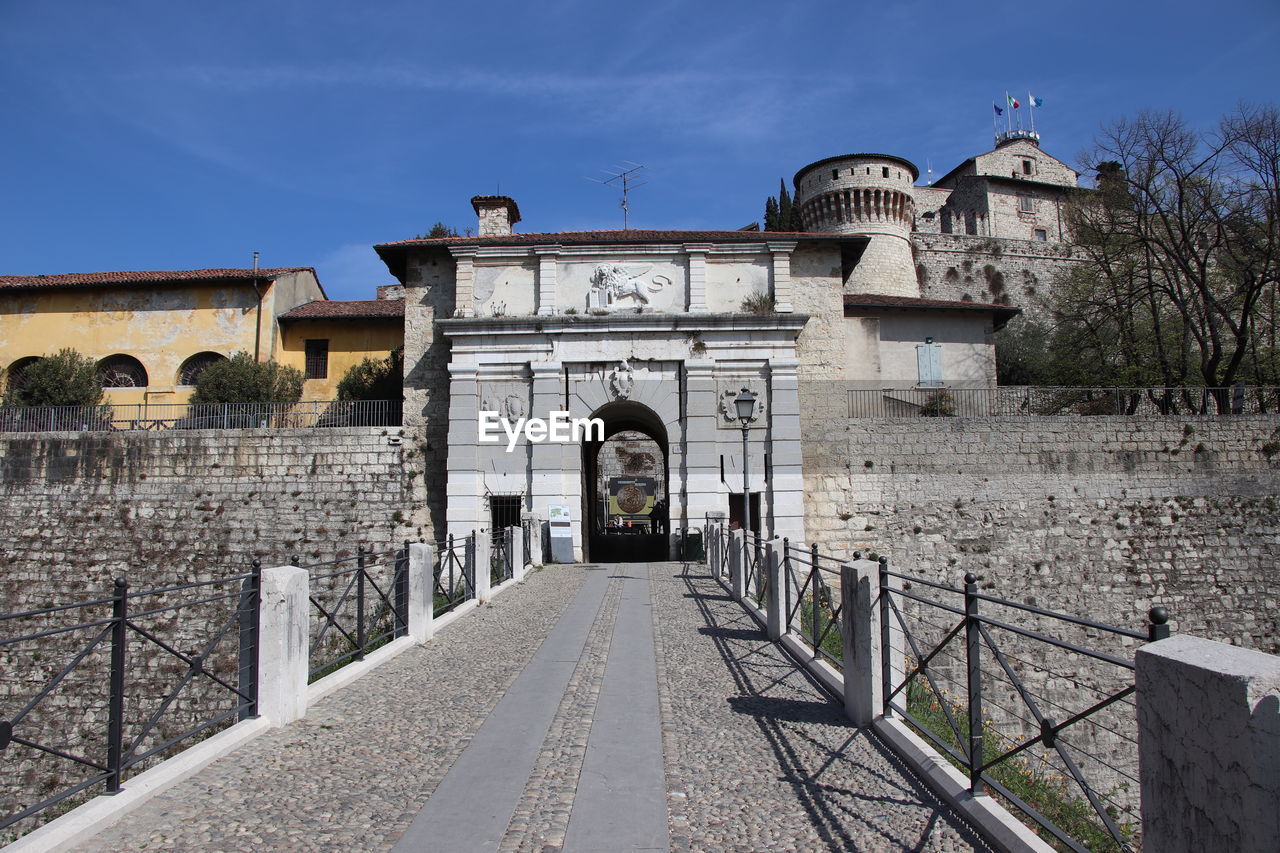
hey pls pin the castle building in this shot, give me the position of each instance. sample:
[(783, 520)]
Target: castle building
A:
[(891, 289)]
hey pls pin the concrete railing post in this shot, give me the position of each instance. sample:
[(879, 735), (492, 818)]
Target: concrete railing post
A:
[(483, 551), (283, 640), (775, 606), (517, 552), (863, 684), (735, 564), (421, 587), (1208, 746)]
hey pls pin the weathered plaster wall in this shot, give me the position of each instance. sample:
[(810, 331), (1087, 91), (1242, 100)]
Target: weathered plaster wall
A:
[(1097, 516)]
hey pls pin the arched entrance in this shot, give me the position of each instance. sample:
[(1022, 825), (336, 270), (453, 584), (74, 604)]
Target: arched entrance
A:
[(624, 478)]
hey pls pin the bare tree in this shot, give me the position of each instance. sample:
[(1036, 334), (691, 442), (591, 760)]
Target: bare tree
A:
[(1182, 234)]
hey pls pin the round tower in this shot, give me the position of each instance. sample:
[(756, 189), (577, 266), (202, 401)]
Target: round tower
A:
[(865, 194)]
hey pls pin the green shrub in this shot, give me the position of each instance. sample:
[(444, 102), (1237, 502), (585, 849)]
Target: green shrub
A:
[(65, 378), (241, 379), (375, 379), (758, 303), (939, 405)]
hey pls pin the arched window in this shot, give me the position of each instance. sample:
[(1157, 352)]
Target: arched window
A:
[(189, 372), (14, 374), (122, 371)]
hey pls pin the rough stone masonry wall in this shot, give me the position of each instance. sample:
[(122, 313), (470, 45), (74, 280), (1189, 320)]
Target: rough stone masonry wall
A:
[(80, 509), (1100, 516), (984, 269)]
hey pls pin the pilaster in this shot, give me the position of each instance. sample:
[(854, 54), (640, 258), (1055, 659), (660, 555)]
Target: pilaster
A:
[(465, 281), (547, 258), (781, 252), (697, 253)]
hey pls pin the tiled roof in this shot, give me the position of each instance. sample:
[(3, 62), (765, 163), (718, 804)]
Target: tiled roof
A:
[(101, 279), (875, 300), (631, 236), (350, 309), (1001, 314)]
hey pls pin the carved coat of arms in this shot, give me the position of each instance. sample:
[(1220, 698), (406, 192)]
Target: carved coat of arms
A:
[(622, 380)]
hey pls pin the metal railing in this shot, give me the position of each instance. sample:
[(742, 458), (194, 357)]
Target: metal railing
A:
[(358, 604), (1030, 401), (455, 580), (1022, 700), (109, 417), (755, 573), (149, 672), (500, 556), (811, 603)]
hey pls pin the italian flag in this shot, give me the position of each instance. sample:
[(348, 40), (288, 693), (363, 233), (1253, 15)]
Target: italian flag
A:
[(1013, 102)]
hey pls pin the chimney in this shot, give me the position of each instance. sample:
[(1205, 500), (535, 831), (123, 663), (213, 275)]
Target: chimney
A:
[(497, 214)]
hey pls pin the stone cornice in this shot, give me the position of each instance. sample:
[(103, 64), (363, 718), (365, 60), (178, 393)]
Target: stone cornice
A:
[(621, 323)]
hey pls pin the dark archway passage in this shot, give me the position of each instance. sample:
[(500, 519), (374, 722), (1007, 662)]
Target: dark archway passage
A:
[(627, 491)]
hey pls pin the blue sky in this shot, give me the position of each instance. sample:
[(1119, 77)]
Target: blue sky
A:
[(176, 135)]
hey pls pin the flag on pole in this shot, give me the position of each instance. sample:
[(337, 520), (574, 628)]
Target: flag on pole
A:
[(1035, 102), (999, 111), (1011, 100)]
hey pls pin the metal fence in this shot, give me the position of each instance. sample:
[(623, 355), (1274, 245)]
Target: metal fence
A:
[(1035, 706), (358, 604), (1028, 401), (755, 571), (811, 599), (500, 556), (455, 579), (109, 417), (95, 691)]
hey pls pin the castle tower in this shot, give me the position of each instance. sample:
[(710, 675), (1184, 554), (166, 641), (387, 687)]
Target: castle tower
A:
[(866, 194)]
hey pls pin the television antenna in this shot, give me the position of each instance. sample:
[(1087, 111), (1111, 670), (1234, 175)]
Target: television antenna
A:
[(626, 177)]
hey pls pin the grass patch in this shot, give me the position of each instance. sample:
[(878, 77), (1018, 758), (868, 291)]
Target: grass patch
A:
[(1054, 796)]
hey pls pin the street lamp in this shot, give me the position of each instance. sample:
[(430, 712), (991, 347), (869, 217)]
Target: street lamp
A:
[(745, 403)]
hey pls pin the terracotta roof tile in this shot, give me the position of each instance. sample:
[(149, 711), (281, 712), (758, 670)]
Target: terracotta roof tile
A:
[(351, 309), (875, 300), (101, 279)]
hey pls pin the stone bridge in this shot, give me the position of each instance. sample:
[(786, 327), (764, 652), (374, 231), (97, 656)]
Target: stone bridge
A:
[(590, 708)]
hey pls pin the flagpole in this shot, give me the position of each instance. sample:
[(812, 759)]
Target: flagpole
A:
[(1031, 108), (1008, 117)]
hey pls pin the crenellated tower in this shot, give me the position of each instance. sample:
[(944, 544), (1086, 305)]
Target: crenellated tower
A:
[(866, 194)]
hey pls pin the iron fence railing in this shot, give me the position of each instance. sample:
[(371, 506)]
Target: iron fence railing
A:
[(500, 556), (755, 573), (1028, 401), (358, 604), (1035, 706), (811, 600), (93, 691), (455, 579), (165, 416)]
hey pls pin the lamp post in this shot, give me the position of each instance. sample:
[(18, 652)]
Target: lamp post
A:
[(745, 403)]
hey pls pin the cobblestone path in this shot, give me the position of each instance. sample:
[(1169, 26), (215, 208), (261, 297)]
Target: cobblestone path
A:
[(591, 708)]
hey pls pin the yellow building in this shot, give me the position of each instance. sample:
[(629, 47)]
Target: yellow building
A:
[(325, 338), (153, 332)]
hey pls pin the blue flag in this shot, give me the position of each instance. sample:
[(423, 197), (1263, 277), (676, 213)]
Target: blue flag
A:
[(999, 111)]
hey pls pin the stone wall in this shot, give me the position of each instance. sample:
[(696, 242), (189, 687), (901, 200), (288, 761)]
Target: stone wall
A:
[(1099, 516), (169, 509), (82, 508), (982, 269)]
